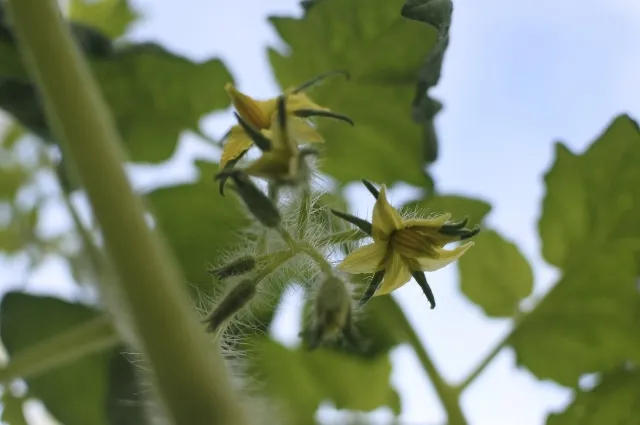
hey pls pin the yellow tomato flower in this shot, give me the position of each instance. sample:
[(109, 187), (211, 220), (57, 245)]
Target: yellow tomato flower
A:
[(283, 162), (261, 113), (402, 247)]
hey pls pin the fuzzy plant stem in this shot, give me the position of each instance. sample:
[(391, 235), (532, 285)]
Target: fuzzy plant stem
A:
[(191, 380)]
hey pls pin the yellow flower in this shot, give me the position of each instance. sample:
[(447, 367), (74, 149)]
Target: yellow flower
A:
[(402, 247), (261, 113), (283, 162)]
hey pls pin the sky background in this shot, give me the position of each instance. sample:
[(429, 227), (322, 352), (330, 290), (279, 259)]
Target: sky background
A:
[(517, 77)]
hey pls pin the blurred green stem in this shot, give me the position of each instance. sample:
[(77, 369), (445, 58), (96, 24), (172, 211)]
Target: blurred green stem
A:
[(191, 379), (482, 365), (447, 394), (72, 345), (492, 354)]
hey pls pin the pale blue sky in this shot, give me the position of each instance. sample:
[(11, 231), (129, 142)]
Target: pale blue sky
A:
[(517, 77)]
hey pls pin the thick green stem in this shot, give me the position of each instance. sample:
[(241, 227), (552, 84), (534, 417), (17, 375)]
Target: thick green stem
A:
[(192, 380), (447, 394), (297, 246), (67, 347)]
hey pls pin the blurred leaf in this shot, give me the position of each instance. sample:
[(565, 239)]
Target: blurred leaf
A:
[(437, 13), (565, 218), (613, 401), (12, 413), (10, 62), (11, 179), (384, 54), (458, 206), (593, 198), (11, 135), (198, 223), (495, 275), (10, 240), (73, 394), (112, 17), (154, 94), (588, 322), (301, 380)]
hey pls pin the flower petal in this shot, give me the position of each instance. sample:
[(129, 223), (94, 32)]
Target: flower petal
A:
[(304, 132), (366, 259), (396, 275), (445, 257), (429, 223), (300, 100), (386, 219), (255, 112), (237, 142), (282, 141), (271, 165)]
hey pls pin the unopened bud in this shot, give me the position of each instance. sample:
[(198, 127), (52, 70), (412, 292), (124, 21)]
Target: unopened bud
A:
[(258, 203), (237, 298), (331, 313), (236, 267)]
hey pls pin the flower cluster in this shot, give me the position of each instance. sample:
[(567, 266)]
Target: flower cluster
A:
[(281, 128)]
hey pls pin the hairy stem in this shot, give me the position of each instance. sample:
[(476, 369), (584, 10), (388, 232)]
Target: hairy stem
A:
[(83, 340), (315, 255), (191, 380), (303, 214), (350, 235)]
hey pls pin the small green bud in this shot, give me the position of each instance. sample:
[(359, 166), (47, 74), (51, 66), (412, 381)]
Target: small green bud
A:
[(236, 267), (258, 203), (237, 298), (331, 313)]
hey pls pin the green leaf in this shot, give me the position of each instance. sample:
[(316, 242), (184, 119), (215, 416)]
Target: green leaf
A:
[(589, 227), (301, 380), (495, 275), (592, 198), (565, 219), (73, 394), (11, 135), (384, 54), (10, 62), (198, 223), (437, 13), (112, 17), (587, 323), (154, 95), (12, 409), (11, 179), (613, 401), (458, 206)]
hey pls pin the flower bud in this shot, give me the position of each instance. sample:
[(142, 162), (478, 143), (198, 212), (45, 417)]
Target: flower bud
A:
[(236, 267), (237, 298), (331, 313), (257, 201)]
